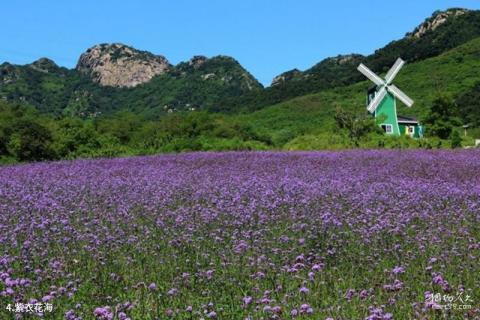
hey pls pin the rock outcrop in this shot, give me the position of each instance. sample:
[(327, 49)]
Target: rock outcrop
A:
[(44, 65), (435, 21), (118, 65), (197, 61), (285, 77), (323, 69)]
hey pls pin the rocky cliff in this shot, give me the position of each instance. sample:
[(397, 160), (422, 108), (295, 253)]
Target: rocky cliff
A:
[(118, 65), (436, 20)]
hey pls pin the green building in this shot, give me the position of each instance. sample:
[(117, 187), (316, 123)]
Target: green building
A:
[(391, 122), (382, 103)]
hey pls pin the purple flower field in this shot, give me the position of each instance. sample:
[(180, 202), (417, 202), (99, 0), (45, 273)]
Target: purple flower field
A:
[(252, 235)]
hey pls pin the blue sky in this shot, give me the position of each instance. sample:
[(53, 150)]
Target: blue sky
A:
[(266, 37)]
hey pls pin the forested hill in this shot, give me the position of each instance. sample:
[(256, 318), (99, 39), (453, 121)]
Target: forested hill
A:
[(306, 122), (443, 31), (121, 101), (113, 77)]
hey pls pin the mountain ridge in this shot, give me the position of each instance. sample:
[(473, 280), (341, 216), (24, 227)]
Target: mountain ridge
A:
[(454, 30), (112, 77), (305, 122), (423, 81), (107, 74)]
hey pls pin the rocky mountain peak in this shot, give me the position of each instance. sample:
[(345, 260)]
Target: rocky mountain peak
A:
[(437, 19), (197, 61), (119, 65), (344, 58), (44, 65), (285, 77)]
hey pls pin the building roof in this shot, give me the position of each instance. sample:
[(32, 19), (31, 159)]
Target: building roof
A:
[(403, 119)]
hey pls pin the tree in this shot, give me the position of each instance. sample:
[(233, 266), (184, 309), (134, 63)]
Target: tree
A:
[(357, 126), (455, 140), (3, 142), (121, 125), (73, 135), (469, 106), (442, 117), (30, 141)]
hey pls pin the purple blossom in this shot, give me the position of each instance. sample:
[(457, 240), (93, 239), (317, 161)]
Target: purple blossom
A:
[(172, 292), (317, 267), (103, 313), (152, 286), (262, 223), (304, 290), (70, 315), (305, 308), (277, 309), (398, 269), (247, 300), (363, 294)]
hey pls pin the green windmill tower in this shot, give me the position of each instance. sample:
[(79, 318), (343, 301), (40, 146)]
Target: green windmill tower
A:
[(382, 103)]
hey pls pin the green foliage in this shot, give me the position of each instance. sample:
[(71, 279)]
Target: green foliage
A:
[(219, 84), (30, 141), (68, 92), (341, 140), (27, 136), (341, 71), (121, 126), (442, 118), (74, 138), (467, 141), (24, 135), (323, 141), (357, 125), (390, 142), (474, 133), (455, 140), (469, 106), (87, 120), (422, 81)]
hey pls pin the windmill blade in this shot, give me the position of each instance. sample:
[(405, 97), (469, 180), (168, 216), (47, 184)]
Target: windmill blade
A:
[(370, 74), (400, 95), (377, 100), (394, 70)]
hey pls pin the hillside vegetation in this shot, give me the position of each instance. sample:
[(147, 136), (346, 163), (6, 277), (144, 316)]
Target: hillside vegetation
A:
[(200, 83), (453, 73), (113, 77), (49, 112), (305, 122), (441, 32)]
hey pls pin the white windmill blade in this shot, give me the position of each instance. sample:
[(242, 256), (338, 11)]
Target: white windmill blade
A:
[(377, 100), (370, 74), (394, 70), (400, 95)]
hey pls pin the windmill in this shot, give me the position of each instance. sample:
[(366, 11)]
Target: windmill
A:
[(381, 101)]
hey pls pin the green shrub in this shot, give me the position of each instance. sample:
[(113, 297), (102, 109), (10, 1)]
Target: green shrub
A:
[(283, 136), (234, 144), (30, 141), (455, 140), (324, 141)]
